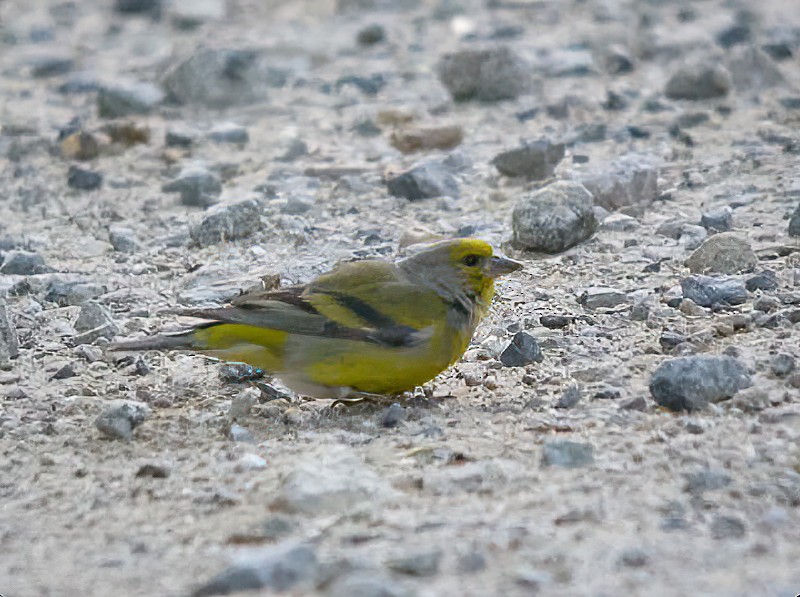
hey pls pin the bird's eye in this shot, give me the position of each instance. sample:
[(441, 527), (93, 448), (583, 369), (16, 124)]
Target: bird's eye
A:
[(471, 260)]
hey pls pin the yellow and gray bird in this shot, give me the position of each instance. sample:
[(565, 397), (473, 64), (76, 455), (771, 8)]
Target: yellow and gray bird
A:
[(369, 326)]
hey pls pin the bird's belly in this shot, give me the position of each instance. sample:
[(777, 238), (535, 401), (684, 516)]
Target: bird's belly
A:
[(373, 368)]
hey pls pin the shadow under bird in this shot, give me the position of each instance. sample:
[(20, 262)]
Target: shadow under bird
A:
[(369, 326)]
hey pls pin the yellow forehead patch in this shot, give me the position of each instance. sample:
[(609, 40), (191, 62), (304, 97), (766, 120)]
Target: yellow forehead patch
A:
[(470, 246)]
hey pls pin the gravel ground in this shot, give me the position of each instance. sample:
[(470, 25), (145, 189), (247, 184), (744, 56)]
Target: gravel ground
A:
[(626, 420)]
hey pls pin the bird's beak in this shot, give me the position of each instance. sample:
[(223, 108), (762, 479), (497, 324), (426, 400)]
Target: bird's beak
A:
[(500, 266)]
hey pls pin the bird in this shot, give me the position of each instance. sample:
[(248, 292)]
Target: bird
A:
[(369, 327)]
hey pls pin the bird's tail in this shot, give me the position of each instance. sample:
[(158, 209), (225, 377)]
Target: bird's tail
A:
[(184, 340)]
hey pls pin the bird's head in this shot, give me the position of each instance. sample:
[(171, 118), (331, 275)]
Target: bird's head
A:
[(460, 270)]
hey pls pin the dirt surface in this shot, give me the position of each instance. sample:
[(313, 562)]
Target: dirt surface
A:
[(467, 488)]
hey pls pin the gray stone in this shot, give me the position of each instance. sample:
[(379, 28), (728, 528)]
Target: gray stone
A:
[(9, 342), (421, 563), (618, 60), (138, 6), (631, 181), (794, 223), (752, 69), (570, 397), (782, 364), (94, 315), (554, 219), (190, 14), (727, 527), (393, 415), (224, 223), (635, 557), (568, 62), (221, 78), (485, 75), (83, 179), (690, 383), (228, 132), (277, 568), (179, 138), (366, 583), (334, 482), (23, 263), (123, 239), (523, 350), (719, 219), (600, 297), (121, 417), (706, 480), (534, 160), (699, 82), (708, 291), (197, 185), (126, 99), (424, 181), (50, 66), (723, 253), (371, 35), (765, 280), (567, 454)]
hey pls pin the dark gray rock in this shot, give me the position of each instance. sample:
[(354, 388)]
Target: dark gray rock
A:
[(179, 138), (276, 569), (691, 383), (534, 160), (570, 397), (719, 219), (766, 280), (43, 67), (187, 15), (123, 239), (393, 415), (228, 132), (723, 253), (120, 419), (567, 454), (794, 223), (424, 181), (635, 557), (126, 99), (221, 78), (223, 223), (197, 185), (23, 263), (727, 527), (9, 341), (618, 60), (421, 563), (733, 35), (699, 82), (152, 7), (600, 297), (523, 350), (555, 322), (84, 179), (371, 35), (554, 219), (782, 364), (709, 291), (752, 69), (486, 75)]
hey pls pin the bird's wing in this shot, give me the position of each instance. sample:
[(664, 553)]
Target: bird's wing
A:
[(368, 301)]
